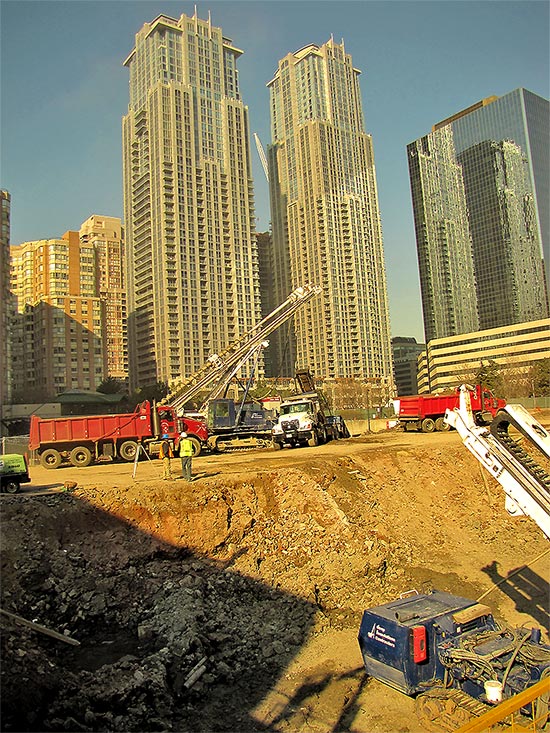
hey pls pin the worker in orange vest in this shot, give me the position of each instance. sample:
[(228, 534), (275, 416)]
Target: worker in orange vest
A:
[(166, 453)]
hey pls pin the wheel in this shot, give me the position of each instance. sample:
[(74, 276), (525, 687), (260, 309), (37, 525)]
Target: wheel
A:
[(81, 456), (128, 450), (428, 425), (276, 445), (11, 486), (197, 447), (442, 426), (50, 458), (314, 440)]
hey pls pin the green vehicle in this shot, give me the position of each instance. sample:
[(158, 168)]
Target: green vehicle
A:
[(14, 471)]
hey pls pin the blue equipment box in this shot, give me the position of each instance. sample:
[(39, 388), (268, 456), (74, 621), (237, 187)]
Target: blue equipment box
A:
[(399, 640)]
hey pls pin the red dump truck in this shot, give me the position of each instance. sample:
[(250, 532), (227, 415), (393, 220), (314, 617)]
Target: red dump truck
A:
[(81, 440), (426, 412)]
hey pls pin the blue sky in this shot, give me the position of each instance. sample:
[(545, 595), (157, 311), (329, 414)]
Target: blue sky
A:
[(64, 91)]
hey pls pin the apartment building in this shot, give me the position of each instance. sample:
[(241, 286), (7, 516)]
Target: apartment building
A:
[(6, 302), (104, 234), (58, 328), (325, 217), (192, 261)]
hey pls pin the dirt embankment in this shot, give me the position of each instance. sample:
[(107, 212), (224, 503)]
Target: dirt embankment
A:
[(233, 603)]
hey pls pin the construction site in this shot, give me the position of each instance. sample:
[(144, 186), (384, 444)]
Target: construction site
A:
[(233, 603), (308, 575)]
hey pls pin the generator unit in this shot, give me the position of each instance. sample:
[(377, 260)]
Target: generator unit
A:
[(424, 640)]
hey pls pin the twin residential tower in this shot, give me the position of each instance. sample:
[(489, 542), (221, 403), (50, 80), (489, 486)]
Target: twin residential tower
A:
[(193, 270)]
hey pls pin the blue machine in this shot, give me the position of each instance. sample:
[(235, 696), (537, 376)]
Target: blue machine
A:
[(422, 640)]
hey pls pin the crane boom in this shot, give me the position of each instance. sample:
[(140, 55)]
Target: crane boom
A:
[(222, 367)]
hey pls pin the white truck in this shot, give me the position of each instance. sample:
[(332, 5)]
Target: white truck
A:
[(301, 421)]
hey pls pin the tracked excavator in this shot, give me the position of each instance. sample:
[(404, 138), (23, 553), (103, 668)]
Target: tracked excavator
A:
[(447, 651)]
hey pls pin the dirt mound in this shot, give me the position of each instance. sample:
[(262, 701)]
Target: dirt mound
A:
[(193, 602)]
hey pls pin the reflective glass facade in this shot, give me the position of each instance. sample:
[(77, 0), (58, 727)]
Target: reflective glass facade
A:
[(500, 148)]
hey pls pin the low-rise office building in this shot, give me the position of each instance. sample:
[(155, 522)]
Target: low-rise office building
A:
[(448, 362)]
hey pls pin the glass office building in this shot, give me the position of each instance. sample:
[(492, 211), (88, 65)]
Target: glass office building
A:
[(498, 153)]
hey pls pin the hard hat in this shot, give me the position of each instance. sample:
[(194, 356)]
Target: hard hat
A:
[(165, 435), (183, 435)]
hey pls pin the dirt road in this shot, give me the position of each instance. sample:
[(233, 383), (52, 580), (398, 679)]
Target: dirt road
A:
[(253, 578)]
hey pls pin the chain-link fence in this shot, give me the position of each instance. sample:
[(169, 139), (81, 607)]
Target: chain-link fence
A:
[(15, 444)]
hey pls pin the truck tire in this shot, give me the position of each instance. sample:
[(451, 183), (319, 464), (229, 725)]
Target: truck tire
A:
[(197, 447), (81, 456), (11, 486), (50, 458), (128, 450), (442, 426), (428, 425), (314, 440), (277, 445)]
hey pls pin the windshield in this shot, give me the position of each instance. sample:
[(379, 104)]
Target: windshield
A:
[(295, 407)]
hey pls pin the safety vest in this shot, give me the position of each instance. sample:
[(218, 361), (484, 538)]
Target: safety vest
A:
[(170, 453), (186, 447)]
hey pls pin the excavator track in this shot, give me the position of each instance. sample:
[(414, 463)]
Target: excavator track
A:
[(499, 431), (515, 449), (442, 710)]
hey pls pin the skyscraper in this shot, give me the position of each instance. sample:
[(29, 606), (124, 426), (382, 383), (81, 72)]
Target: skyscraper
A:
[(325, 215), (480, 188), (192, 264)]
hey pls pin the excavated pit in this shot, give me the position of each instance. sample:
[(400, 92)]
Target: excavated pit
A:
[(191, 603)]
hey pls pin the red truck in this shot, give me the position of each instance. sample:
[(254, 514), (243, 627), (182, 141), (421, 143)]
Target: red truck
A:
[(82, 440), (426, 412)]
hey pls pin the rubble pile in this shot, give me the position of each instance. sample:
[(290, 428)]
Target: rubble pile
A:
[(188, 602), (171, 596)]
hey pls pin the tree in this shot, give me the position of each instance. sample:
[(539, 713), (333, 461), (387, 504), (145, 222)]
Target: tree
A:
[(151, 392), (539, 378), (489, 375), (111, 385)]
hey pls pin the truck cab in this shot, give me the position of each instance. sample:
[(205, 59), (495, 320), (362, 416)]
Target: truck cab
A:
[(301, 421), (14, 471)]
